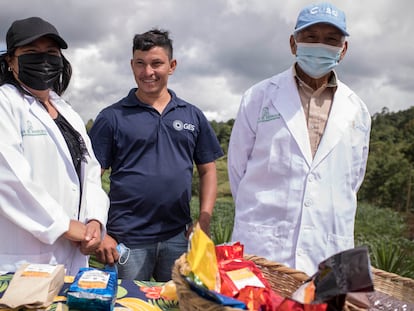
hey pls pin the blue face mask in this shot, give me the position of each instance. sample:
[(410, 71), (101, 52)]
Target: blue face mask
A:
[(317, 59)]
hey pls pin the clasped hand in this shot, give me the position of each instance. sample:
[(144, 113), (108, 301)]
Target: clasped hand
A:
[(87, 237)]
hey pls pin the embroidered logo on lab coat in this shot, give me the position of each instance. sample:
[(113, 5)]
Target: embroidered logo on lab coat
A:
[(30, 131), (266, 116)]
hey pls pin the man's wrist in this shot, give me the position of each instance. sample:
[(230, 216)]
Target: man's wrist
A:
[(204, 220)]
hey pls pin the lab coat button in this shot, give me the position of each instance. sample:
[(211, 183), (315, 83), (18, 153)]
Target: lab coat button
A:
[(311, 178), (308, 202)]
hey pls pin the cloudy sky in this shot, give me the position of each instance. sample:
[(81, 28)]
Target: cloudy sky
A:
[(222, 47)]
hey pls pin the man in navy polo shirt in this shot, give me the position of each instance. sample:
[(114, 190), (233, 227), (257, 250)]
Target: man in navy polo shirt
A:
[(150, 140)]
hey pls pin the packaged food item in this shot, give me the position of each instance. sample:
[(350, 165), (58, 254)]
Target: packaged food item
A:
[(305, 293), (292, 305), (229, 251), (342, 273), (242, 284), (202, 259), (93, 289), (238, 273), (259, 298), (243, 280), (34, 286), (215, 296)]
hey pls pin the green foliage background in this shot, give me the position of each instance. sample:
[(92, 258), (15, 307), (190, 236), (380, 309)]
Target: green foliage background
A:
[(385, 215)]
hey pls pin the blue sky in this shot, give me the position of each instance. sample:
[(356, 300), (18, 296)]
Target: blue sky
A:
[(222, 47)]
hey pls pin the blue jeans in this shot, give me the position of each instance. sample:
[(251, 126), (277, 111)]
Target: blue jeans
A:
[(153, 260)]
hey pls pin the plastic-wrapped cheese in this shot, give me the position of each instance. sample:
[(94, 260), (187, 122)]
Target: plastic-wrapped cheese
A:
[(93, 289)]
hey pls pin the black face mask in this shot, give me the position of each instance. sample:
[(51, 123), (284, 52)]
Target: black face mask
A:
[(39, 71)]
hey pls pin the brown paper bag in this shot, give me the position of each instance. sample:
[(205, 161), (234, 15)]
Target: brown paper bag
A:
[(34, 286)]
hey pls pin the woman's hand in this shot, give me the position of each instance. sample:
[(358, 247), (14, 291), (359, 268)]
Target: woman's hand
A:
[(76, 232), (92, 238)]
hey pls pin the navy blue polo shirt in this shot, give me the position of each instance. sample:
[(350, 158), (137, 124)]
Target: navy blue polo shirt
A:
[(151, 157)]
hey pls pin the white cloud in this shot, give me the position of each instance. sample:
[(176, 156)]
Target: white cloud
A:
[(222, 47), (96, 83), (211, 93)]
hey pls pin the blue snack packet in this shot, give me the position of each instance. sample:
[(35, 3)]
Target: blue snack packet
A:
[(93, 289), (215, 296)]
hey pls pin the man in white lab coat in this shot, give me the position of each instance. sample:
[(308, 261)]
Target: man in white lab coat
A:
[(298, 151)]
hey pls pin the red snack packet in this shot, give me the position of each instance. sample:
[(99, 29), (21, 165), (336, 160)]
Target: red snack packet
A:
[(292, 305), (229, 251), (238, 273), (259, 298)]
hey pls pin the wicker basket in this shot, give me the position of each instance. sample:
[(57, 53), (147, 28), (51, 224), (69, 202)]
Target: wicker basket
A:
[(394, 285), (285, 281), (282, 280)]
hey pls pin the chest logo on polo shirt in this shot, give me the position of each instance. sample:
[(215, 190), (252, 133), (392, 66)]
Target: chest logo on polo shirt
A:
[(179, 126)]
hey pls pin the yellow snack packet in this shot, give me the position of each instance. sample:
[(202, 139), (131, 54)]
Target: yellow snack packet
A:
[(202, 258)]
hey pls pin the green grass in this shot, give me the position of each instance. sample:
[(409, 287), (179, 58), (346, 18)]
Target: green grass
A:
[(384, 231), (222, 221), (390, 256)]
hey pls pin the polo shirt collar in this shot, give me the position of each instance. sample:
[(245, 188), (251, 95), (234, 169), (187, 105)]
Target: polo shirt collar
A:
[(134, 101)]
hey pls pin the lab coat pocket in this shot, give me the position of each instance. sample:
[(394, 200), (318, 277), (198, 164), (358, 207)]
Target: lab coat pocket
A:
[(262, 240), (11, 262), (338, 243)]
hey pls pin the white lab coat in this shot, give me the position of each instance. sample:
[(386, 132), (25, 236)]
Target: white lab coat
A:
[(290, 207), (39, 187)]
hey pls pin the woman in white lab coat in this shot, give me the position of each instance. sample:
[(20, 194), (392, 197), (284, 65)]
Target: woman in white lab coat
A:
[(52, 206)]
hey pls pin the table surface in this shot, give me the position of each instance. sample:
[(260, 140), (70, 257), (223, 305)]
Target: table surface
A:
[(131, 295)]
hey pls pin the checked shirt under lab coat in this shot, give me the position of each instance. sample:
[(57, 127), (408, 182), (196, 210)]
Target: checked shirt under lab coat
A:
[(39, 187), (290, 207)]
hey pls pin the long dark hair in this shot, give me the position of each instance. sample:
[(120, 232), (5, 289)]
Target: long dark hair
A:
[(59, 86)]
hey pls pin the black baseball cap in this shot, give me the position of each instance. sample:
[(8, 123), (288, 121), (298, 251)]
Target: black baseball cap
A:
[(24, 31)]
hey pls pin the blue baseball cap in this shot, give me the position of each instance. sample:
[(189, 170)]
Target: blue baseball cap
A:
[(321, 13)]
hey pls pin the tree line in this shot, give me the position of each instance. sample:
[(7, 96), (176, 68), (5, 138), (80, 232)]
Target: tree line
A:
[(389, 178)]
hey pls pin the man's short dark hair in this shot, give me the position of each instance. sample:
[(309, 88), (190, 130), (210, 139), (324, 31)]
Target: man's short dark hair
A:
[(152, 38)]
